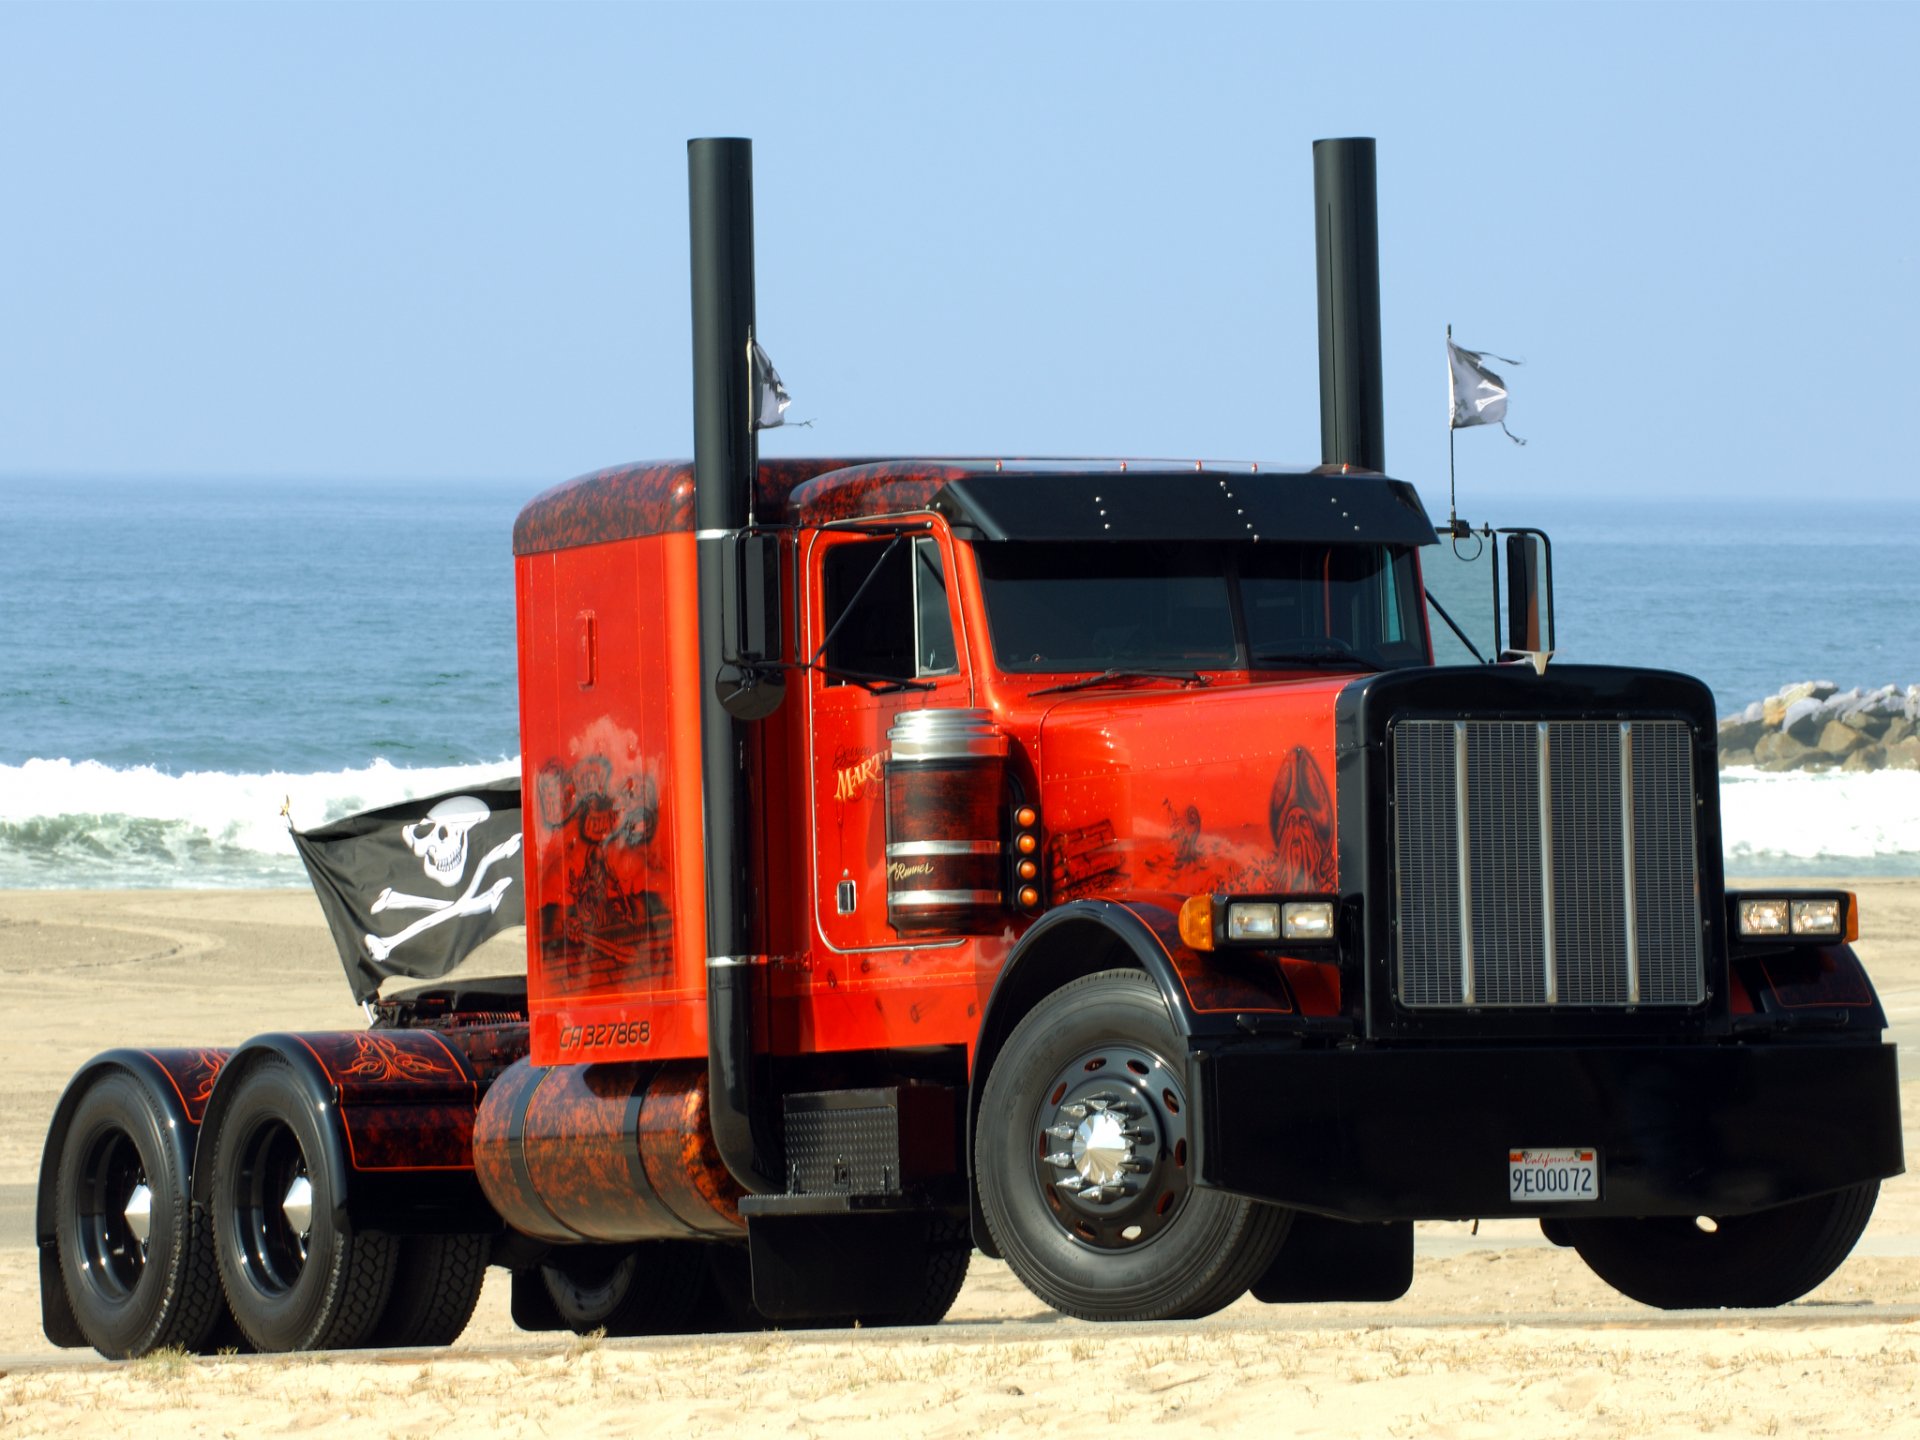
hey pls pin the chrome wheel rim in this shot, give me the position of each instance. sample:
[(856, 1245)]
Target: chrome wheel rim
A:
[(1110, 1147)]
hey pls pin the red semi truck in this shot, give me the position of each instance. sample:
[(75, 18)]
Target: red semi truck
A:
[(1084, 862)]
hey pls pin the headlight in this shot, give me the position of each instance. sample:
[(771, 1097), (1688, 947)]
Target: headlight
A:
[(1253, 920), (1797, 917), (1307, 920), (1816, 917), (1763, 917)]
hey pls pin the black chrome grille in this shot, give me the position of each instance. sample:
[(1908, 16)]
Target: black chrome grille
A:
[(1545, 863)]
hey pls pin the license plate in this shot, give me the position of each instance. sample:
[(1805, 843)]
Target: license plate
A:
[(1553, 1176)]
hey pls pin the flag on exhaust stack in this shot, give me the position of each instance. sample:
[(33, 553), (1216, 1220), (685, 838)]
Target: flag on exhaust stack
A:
[(413, 889), (770, 398), (1478, 395)]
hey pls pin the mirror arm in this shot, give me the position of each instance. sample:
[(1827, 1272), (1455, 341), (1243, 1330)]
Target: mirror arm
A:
[(1441, 610)]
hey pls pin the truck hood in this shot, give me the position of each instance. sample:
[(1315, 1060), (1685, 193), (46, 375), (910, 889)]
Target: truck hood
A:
[(1223, 790)]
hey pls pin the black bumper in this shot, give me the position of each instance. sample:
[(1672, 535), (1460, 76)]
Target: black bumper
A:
[(1424, 1134)]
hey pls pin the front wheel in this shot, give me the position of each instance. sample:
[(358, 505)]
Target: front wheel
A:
[(1084, 1163), (1744, 1261)]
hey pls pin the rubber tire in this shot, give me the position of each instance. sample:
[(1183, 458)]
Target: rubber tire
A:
[(1207, 1256), (176, 1298), (1753, 1261), (949, 1252), (344, 1283), (728, 1307), (436, 1285), (653, 1288)]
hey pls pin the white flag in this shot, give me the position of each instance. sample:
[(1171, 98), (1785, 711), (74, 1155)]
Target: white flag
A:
[(770, 398), (1477, 394)]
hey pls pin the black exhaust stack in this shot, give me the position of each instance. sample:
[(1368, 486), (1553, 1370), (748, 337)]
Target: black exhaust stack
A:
[(725, 462), (1346, 233)]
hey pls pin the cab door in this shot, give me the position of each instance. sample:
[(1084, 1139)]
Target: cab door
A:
[(884, 636)]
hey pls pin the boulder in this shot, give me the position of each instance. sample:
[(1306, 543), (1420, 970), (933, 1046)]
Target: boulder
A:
[(1804, 719), (1837, 738), (1773, 709), (1868, 757), (1780, 746), (1730, 758), (1740, 734), (1898, 729), (1905, 755)]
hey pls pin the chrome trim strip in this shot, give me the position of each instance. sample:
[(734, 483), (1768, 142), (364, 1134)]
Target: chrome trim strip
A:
[(914, 899), (944, 847), (1626, 862), (712, 534), (730, 962), (1463, 859), (1549, 961)]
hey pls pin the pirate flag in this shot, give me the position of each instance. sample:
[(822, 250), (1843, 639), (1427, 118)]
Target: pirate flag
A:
[(414, 888)]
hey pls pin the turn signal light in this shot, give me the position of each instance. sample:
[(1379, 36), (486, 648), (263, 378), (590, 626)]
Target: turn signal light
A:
[(1196, 923)]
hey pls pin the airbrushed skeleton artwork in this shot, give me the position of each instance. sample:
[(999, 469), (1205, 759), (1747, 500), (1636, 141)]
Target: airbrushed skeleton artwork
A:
[(440, 839)]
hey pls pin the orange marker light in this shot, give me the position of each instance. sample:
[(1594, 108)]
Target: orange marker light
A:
[(1029, 897), (1028, 870), (1026, 844), (1025, 816), (1196, 923)]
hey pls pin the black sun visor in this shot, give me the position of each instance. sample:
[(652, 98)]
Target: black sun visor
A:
[(1186, 505)]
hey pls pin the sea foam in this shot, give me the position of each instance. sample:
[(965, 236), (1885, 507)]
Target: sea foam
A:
[(67, 823), (1831, 823)]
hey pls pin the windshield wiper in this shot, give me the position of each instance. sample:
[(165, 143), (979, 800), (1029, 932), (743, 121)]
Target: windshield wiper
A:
[(1328, 651), (1190, 677)]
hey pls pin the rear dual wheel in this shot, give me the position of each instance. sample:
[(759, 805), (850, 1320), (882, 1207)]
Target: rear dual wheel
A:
[(1083, 1160), (136, 1262), (297, 1275)]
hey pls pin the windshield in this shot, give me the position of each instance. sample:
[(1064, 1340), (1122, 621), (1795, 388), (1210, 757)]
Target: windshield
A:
[(1065, 607)]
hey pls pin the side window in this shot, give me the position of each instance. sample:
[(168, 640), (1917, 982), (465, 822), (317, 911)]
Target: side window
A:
[(933, 621), (886, 611)]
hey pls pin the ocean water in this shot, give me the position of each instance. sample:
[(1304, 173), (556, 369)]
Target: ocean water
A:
[(181, 659)]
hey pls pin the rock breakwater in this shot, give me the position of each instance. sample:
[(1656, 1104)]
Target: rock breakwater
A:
[(1815, 725)]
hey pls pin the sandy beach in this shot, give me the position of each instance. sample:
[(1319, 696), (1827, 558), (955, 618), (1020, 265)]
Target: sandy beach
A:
[(1502, 1334)]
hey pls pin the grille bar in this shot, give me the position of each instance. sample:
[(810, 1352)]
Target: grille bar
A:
[(1545, 863)]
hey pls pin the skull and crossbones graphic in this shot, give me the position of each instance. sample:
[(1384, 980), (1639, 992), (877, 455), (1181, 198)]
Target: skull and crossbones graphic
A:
[(440, 840)]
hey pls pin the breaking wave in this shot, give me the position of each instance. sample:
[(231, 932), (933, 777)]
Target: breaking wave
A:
[(1821, 824), (80, 824)]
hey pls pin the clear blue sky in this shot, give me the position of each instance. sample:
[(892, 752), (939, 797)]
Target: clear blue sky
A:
[(433, 242)]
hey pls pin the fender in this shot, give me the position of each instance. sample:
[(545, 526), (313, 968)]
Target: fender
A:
[(180, 1082), (1206, 994), (398, 1108), (1789, 989)]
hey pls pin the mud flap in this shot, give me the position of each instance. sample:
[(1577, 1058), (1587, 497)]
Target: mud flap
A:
[(1327, 1259), (839, 1266)]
